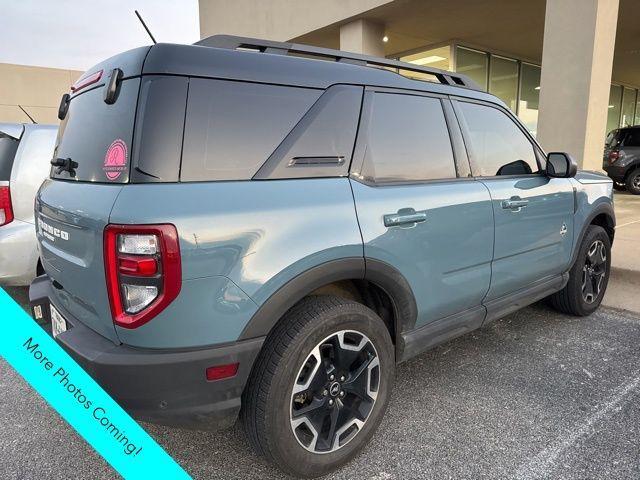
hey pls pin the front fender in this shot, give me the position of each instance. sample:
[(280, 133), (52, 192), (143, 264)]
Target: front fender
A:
[(604, 208)]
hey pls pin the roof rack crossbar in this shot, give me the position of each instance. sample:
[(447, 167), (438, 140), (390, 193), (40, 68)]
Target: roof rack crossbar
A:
[(232, 42)]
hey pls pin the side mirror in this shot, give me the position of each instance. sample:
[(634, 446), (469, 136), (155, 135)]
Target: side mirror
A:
[(561, 165)]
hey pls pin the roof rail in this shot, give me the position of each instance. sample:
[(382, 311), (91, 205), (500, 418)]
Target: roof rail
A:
[(285, 48)]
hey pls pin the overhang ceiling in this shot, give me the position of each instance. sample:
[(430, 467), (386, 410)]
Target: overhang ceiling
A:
[(511, 27)]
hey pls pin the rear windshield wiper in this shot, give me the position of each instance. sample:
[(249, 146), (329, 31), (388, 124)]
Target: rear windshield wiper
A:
[(65, 165)]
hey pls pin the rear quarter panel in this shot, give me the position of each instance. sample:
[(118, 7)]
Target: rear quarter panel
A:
[(240, 242)]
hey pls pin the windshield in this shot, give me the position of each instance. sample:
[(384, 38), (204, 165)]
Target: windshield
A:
[(98, 136)]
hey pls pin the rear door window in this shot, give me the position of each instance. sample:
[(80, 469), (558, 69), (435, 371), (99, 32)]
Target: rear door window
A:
[(498, 146), (8, 148), (232, 128), (98, 136), (407, 140)]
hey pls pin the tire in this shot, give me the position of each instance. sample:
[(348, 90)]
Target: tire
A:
[(579, 297), (633, 182), (621, 187), (287, 362)]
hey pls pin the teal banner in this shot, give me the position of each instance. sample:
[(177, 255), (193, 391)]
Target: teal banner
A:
[(79, 399)]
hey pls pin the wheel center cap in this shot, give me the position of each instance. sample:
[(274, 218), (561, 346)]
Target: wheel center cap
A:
[(334, 389)]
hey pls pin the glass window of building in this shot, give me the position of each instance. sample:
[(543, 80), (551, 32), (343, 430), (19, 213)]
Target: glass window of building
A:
[(628, 107), (615, 100), (436, 57), (529, 96), (474, 64), (503, 80)]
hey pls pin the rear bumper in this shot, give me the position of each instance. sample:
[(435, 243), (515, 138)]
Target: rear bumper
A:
[(158, 386), (18, 253), (616, 173)]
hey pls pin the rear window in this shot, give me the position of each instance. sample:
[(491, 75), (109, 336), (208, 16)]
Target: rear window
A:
[(98, 136), (233, 127), (632, 138), (8, 147)]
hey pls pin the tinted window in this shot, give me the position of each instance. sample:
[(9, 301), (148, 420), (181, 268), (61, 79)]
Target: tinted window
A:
[(233, 127), (98, 136), (408, 140), (498, 146), (321, 143), (632, 138), (159, 128), (8, 147)]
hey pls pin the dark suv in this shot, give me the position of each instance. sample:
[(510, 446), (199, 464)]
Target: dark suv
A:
[(622, 158), (266, 229)]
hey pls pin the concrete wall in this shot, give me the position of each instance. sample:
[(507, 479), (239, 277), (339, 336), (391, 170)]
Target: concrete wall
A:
[(277, 19), (362, 36), (36, 89)]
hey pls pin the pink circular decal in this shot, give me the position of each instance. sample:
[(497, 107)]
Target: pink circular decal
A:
[(115, 160)]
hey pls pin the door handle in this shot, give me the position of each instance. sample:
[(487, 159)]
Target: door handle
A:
[(515, 203), (402, 218)]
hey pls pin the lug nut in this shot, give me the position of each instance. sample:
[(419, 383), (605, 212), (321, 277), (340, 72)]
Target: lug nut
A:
[(325, 393), (342, 393), (332, 377), (330, 402), (342, 378)]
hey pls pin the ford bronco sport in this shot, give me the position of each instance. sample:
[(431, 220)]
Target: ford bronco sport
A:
[(261, 229)]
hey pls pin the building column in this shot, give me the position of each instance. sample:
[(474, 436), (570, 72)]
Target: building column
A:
[(577, 60), (362, 36)]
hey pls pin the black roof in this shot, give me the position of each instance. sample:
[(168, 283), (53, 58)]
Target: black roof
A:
[(225, 57), (287, 48), (267, 65)]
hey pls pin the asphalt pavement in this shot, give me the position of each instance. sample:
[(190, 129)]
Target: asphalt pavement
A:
[(624, 283), (534, 395)]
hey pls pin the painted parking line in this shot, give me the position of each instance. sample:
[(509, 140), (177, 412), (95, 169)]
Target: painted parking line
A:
[(72, 392), (543, 464), (628, 223)]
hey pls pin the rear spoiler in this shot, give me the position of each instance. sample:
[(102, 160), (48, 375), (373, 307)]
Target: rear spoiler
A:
[(13, 130)]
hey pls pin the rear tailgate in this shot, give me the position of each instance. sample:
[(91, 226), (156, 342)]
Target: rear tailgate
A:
[(70, 219), (73, 207)]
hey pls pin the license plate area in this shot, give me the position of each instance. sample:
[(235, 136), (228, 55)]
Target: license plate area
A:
[(58, 323)]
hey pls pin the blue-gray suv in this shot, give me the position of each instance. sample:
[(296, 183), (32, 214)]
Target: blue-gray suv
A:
[(264, 230)]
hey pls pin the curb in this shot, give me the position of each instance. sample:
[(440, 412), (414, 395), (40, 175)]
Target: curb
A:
[(626, 274)]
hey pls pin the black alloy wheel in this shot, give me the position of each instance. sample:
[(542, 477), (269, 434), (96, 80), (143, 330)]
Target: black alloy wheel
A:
[(320, 386), (335, 391), (594, 271)]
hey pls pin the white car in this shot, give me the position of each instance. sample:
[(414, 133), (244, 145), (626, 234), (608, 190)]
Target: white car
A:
[(25, 155)]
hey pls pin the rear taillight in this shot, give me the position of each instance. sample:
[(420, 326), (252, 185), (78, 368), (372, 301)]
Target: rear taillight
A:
[(143, 270), (614, 155), (6, 210)]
